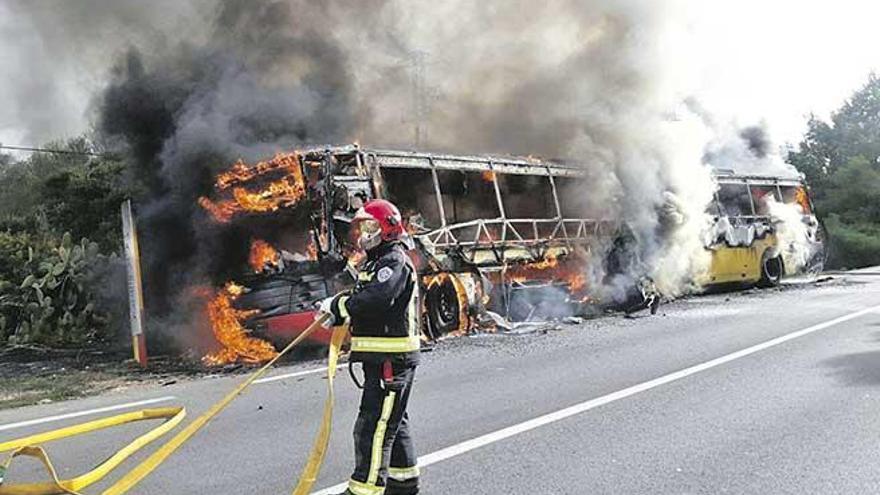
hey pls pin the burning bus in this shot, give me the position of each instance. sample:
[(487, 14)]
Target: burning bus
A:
[(505, 234), (764, 229), (489, 232)]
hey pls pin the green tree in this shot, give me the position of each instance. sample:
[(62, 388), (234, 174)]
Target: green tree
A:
[(20, 180), (5, 160), (53, 290), (841, 160), (64, 192), (85, 202)]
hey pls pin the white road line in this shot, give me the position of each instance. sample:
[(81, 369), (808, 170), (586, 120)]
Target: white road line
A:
[(295, 374), (496, 436), (60, 417)]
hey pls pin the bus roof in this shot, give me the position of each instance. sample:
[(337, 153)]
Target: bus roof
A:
[(526, 165), (731, 176), (445, 161)]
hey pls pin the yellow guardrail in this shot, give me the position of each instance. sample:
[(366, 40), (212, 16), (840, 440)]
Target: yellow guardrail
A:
[(30, 446)]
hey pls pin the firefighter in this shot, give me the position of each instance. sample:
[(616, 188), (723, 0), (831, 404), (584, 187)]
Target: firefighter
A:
[(383, 310)]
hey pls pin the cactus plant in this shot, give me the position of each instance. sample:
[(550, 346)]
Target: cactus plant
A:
[(52, 304)]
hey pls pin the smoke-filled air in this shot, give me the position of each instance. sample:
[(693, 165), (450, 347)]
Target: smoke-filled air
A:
[(513, 225), (184, 89)]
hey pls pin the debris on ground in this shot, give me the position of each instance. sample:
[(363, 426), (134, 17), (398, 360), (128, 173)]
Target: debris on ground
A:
[(529, 327), (493, 318)]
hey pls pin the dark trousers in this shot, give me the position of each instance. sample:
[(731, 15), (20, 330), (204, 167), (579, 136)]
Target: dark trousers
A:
[(385, 460)]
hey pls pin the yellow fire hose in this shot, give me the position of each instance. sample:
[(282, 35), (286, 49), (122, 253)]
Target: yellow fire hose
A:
[(29, 446)]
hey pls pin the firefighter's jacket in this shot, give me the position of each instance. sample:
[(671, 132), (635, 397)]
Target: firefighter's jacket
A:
[(384, 308)]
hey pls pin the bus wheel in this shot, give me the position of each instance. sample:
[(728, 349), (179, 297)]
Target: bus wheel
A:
[(771, 271), (443, 308)]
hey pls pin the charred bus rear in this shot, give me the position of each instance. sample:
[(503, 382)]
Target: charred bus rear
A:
[(764, 229)]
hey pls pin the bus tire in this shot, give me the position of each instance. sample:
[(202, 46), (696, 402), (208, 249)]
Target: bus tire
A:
[(771, 270), (443, 308)]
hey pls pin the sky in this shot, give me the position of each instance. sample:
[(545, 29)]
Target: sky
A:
[(778, 61), (751, 61)]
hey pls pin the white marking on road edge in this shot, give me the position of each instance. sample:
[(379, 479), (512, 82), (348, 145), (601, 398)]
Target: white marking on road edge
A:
[(60, 417), (294, 374), (496, 436)]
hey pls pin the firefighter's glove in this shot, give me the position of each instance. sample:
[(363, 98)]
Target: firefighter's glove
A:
[(335, 307)]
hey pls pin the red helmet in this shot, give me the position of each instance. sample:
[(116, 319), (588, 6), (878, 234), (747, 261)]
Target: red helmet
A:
[(377, 221)]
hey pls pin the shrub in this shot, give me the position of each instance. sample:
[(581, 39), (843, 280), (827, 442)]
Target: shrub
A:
[(45, 297), (852, 245)]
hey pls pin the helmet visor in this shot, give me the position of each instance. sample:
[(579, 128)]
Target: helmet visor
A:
[(366, 231)]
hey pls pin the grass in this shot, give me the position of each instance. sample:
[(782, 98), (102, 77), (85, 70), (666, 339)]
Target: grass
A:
[(28, 390)]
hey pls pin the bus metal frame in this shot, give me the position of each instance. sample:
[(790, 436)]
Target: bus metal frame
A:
[(749, 260)]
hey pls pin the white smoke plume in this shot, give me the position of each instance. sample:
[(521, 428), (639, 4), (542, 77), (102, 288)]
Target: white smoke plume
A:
[(593, 82), (747, 150), (796, 234)]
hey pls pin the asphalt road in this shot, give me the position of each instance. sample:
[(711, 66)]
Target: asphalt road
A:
[(680, 403)]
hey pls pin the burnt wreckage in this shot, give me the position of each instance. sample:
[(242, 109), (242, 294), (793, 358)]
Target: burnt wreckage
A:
[(504, 234), (764, 228), (498, 233)]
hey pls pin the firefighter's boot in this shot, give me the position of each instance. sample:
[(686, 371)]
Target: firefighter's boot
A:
[(409, 488)]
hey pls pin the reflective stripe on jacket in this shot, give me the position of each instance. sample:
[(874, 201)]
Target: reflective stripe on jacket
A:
[(384, 307)]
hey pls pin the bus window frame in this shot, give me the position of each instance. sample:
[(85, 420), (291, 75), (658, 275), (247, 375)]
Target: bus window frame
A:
[(744, 184), (520, 232), (770, 187), (499, 195)]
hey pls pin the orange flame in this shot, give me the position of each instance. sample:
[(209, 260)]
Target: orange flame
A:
[(488, 175), (550, 261), (800, 195), (286, 191), (263, 255), (551, 267), (226, 322)]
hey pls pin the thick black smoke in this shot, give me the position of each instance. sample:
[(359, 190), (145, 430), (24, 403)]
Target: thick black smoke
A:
[(257, 86), (745, 150), (589, 80), (757, 140)]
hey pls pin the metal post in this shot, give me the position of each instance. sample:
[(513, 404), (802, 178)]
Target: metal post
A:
[(751, 199), (359, 163), (500, 203), (558, 207), (374, 172), (327, 206), (439, 197), (135, 290)]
